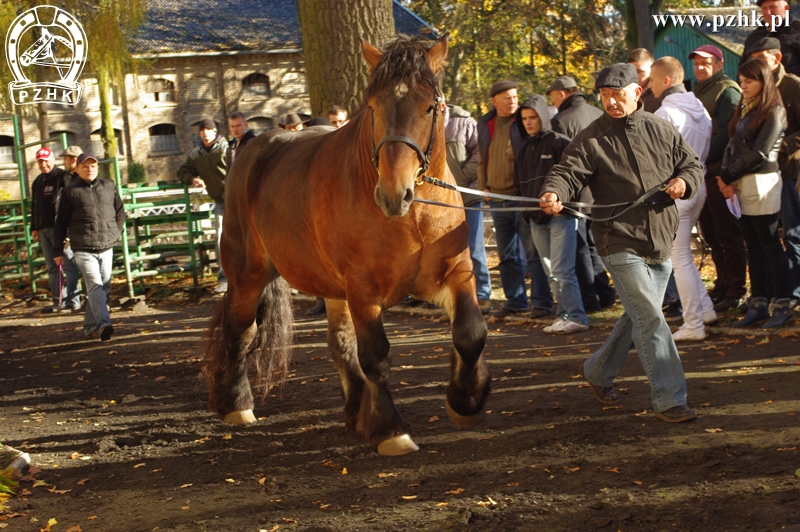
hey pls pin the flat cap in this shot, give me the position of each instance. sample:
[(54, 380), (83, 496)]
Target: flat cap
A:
[(616, 76), (562, 83), (72, 151), (207, 123), (502, 86), (765, 43), (83, 157)]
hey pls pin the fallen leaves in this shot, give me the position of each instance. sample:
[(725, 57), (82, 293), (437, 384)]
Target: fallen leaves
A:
[(713, 431), (456, 491)]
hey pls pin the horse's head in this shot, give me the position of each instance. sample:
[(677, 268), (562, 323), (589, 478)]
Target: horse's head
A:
[(404, 100)]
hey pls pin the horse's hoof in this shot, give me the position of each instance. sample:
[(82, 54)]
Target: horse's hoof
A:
[(466, 422), (397, 445), (242, 417)]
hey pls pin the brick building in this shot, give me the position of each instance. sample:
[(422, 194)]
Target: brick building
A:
[(201, 59)]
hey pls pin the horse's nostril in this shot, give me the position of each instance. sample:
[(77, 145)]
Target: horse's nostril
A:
[(409, 197)]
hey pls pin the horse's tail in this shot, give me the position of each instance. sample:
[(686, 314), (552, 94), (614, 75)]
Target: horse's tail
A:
[(266, 348), (271, 349)]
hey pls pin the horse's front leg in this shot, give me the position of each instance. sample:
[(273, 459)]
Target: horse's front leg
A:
[(368, 403), (470, 380)]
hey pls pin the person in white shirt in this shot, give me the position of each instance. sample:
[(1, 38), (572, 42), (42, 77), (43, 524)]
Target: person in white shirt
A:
[(684, 111)]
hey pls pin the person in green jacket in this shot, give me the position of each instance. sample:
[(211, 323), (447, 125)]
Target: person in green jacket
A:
[(205, 167)]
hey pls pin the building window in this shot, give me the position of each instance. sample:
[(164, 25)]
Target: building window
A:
[(203, 89), (163, 137), (55, 146), (7, 154), (96, 143), (162, 90), (257, 84), (260, 124)]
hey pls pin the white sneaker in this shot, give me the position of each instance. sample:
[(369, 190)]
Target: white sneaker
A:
[(685, 334), (709, 317), (221, 288), (570, 327), (556, 326)]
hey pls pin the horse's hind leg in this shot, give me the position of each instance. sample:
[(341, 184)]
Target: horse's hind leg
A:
[(470, 381), (361, 351)]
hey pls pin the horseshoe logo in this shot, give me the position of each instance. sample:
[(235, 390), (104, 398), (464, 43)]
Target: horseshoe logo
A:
[(59, 47)]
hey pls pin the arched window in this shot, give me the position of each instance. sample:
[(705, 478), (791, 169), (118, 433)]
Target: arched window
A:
[(55, 146), (7, 154), (257, 84), (202, 88), (163, 137), (161, 90), (96, 143), (260, 124)]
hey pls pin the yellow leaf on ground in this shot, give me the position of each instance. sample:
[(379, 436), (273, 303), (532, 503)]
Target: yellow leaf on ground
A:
[(442, 503), (230, 481), (455, 491), (712, 431), (50, 522), (227, 437), (571, 469), (137, 466), (408, 497), (432, 419), (386, 475), (76, 528), (787, 334), (82, 481), (344, 471)]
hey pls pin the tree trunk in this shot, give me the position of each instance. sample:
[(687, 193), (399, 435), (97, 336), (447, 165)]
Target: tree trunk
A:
[(644, 24), (335, 70)]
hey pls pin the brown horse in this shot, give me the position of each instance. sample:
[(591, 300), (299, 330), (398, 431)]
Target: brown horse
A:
[(332, 212)]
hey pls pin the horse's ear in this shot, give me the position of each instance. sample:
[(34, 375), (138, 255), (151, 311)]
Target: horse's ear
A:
[(438, 52), (371, 54)]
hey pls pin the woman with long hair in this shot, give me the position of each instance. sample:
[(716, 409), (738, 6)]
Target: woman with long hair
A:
[(750, 171)]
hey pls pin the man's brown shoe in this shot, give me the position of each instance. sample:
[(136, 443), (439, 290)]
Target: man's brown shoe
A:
[(677, 414), (607, 396)]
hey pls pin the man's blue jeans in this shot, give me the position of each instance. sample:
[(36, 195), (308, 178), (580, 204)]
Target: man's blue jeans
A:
[(96, 271), (556, 243), (511, 231), (477, 251), (219, 210), (790, 218), (70, 289), (641, 289)]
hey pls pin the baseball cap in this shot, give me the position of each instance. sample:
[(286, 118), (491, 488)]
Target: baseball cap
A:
[(43, 153), (72, 151), (83, 157), (707, 50), (562, 83)]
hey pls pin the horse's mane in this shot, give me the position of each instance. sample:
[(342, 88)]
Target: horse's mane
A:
[(405, 60)]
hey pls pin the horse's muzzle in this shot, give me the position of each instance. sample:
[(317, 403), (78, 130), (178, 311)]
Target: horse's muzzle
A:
[(396, 203)]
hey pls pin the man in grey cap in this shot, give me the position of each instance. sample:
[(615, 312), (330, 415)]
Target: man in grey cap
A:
[(620, 157), (206, 167), (768, 50), (496, 174), (574, 113)]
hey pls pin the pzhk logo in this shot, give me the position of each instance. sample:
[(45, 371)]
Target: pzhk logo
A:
[(59, 47)]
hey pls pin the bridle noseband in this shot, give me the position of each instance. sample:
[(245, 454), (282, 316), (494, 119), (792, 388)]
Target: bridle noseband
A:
[(424, 157)]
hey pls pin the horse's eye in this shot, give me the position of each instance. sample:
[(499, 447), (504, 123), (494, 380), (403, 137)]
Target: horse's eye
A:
[(429, 110)]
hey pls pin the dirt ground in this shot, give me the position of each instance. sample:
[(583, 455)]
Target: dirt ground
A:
[(120, 438)]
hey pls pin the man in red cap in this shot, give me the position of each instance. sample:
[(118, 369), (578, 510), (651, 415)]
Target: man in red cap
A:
[(92, 212), (720, 96), (45, 193)]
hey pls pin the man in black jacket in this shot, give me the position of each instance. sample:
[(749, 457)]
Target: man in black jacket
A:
[(92, 212), (45, 193), (237, 124), (620, 157), (536, 149), (574, 113), (776, 13)]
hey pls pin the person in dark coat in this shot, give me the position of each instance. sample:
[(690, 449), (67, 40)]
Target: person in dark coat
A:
[(536, 149), (768, 50), (237, 124), (45, 195), (621, 156), (788, 36), (91, 210), (574, 112)]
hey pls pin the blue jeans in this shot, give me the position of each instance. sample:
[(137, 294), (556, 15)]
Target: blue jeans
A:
[(790, 217), (511, 231), (556, 243), (478, 253), (70, 288), (219, 209), (96, 271), (641, 288)]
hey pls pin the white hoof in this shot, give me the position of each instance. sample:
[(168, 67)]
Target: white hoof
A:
[(397, 445), (242, 417), (466, 422)]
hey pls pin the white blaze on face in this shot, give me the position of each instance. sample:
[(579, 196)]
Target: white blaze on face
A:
[(401, 90)]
